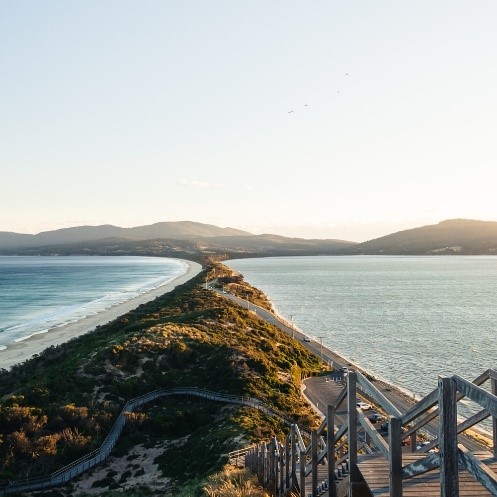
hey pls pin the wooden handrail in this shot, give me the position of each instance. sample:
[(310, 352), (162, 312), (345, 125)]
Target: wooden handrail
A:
[(431, 461), (479, 470), (378, 440), (477, 394), (425, 404), (375, 394)]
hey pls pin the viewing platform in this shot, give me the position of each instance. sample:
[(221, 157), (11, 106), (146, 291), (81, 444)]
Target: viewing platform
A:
[(375, 471), (357, 458)]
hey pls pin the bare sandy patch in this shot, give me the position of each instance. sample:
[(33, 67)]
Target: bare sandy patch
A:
[(135, 469)]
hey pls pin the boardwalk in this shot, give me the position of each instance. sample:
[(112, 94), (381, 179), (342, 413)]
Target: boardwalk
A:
[(83, 464), (378, 464)]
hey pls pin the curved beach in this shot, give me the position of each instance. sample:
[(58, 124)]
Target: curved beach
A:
[(21, 351)]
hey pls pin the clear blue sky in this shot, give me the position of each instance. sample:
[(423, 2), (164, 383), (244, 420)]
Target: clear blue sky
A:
[(326, 118)]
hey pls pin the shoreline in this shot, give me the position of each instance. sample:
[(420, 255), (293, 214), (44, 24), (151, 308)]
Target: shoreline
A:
[(18, 352), (338, 357), (383, 383)]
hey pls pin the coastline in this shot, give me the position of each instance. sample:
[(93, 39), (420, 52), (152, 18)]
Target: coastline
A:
[(18, 352), (337, 358)]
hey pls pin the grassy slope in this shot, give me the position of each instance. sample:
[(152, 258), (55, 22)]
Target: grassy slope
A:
[(61, 404)]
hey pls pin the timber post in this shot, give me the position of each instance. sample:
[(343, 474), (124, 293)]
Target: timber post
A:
[(414, 440), (288, 448), (449, 476), (293, 436), (352, 432), (276, 471), (314, 462), (302, 473), (264, 464), (395, 456), (330, 442), (493, 383)]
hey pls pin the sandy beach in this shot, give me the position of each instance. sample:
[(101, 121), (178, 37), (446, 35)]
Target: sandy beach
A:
[(21, 351)]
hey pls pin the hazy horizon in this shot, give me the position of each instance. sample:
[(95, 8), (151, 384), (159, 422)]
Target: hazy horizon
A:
[(301, 232), (332, 120), (340, 231)]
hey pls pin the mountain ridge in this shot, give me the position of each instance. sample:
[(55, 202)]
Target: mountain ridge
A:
[(192, 239), (178, 230)]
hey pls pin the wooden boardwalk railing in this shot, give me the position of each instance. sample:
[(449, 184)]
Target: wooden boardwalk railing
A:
[(354, 447), (90, 460)]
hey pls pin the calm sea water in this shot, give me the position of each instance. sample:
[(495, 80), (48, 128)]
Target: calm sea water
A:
[(40, 293), (406, 319)]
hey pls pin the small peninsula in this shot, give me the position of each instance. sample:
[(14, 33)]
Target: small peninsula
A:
[(60, 405)]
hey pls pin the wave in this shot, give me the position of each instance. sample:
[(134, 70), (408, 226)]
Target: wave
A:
[(61, 315), (21, 339)]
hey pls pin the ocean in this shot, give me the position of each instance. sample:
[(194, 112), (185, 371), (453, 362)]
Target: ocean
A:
[(38, 294), (405, 319)]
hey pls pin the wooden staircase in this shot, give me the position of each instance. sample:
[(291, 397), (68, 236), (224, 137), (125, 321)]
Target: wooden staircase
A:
[(351, 457)]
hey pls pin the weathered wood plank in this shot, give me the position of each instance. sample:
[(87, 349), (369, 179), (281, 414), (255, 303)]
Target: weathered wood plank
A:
[(477, 394), (493, 383), (479, 470), (341, 432), (352, 424), (395, 459), (421, 466), (376, 438), (374, 393), (330, 442), (473, 420), (447, 435), (423, 405), (314, 460)]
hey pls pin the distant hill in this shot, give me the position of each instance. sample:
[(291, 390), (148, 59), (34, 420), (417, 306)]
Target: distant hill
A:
[(172, 239), (181, 230), (454, 236), (196, 240)]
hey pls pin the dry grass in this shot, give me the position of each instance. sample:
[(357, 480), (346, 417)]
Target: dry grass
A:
[(233, 482)]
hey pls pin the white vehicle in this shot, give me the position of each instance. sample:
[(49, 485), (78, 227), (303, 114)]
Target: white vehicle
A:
[(363, 406)]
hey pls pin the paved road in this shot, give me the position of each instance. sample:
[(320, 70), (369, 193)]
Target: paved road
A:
[(319, 392)]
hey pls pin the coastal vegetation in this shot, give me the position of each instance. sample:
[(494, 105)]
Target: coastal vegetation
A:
[(60, 405)]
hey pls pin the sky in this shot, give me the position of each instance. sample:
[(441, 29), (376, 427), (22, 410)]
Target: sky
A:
[(323, 119)]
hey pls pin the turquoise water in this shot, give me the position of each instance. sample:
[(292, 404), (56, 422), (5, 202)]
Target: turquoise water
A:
[(41, 293), (406, 319)]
